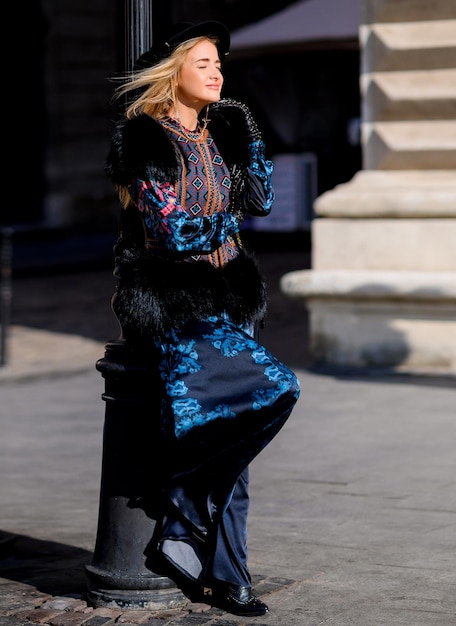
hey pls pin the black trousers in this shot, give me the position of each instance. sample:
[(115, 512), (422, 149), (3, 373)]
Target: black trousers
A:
[(206, 539)]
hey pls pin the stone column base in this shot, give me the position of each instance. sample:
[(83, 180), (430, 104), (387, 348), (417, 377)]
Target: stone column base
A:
[(400, 320)]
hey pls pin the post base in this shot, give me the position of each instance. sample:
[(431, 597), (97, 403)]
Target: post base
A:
[(136, 599)]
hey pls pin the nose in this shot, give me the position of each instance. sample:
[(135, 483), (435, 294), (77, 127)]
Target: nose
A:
[(216, 73)]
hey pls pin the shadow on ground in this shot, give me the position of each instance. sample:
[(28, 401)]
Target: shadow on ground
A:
[(50, 567)]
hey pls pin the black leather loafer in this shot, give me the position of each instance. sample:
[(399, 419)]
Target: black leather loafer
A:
[(191, 588), (237, 600)]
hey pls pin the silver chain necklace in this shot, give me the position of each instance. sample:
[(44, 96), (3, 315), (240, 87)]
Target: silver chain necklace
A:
[(198, 134)]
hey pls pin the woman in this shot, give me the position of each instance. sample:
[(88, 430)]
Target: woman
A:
[(188, 167)]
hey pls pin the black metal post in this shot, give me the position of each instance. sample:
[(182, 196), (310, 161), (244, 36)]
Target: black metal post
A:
[(118, 576), (138, 29)]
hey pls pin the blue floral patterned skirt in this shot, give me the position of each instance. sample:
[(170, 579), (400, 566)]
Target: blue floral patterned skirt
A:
[(224, 397)]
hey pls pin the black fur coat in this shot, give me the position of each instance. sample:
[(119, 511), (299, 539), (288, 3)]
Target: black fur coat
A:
[(157, 290)]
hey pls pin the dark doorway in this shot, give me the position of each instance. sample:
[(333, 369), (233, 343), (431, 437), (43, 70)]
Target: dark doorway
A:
[(305, 101)]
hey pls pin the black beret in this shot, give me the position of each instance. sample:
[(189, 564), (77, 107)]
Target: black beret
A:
[(179, 33)]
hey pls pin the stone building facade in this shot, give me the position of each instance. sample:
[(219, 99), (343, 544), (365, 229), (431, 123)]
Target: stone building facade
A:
[(382, 288)]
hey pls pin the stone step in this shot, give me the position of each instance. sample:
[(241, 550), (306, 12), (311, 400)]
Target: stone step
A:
[(371, 285), (393, 194), (426, 145), (412, 95), (409, 46), (425, 245), (407, 10), (404, 321)]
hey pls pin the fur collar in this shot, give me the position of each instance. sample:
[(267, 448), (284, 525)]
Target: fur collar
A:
[(141, 148)]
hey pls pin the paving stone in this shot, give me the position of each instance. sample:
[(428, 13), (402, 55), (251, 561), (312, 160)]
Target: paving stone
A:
[(10, 621), (134, 617), (65, 604), (99, 620), (68, 618), (40, 616)]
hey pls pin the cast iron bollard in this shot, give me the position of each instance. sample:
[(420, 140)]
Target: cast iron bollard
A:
[(118, 576)]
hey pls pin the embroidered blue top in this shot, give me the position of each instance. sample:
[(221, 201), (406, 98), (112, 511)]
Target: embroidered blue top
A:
[(192, 215)]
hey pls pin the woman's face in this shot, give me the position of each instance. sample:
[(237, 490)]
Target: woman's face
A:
[(200, 79)]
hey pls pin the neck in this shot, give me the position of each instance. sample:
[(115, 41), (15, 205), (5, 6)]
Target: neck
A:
[(187, 117)]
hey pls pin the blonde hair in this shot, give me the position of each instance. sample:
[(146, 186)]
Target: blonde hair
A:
[(158, 83), (157, 86)]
